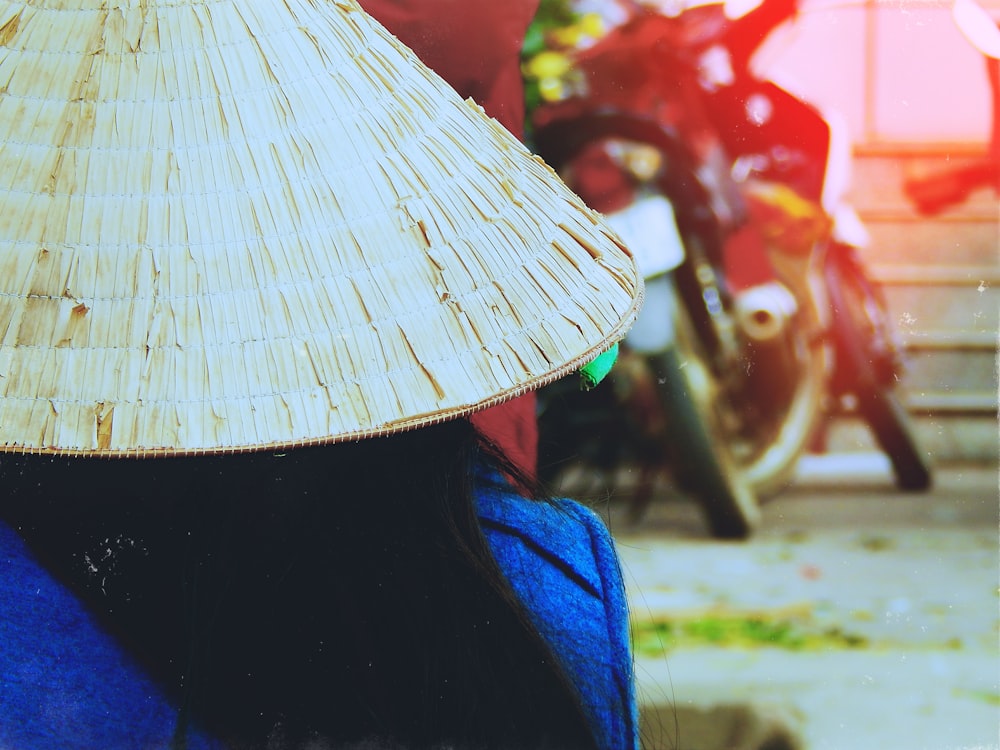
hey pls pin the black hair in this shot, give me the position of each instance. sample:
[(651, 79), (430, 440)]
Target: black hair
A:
[(329, 596)]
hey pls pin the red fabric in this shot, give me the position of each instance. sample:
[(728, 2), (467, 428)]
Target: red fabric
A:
[(475, 45)]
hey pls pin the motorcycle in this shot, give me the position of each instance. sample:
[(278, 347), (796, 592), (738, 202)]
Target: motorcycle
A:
[(759, 313)]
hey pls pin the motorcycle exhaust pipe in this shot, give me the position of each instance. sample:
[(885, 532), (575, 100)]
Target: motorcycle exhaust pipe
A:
[(763, 312)]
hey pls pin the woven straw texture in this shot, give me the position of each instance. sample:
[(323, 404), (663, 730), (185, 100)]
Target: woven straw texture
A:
[(229, 226)]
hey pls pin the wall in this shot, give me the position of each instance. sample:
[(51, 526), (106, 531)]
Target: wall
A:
[(900, 72)]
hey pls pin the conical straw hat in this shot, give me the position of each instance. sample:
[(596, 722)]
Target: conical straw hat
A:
[(230, 226)]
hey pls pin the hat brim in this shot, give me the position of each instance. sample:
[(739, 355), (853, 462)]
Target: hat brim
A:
[(226, 228)]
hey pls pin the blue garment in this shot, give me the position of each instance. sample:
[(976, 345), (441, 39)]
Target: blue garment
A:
[(65, 683), (562, 563)]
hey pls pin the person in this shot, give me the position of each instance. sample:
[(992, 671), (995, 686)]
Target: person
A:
[(258, 268)]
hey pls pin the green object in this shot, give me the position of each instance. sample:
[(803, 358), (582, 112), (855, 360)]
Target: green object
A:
[(596, 370)]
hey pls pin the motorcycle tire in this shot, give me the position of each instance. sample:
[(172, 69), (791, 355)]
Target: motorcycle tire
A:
[(892, 426), (865, 344), (699, 444)]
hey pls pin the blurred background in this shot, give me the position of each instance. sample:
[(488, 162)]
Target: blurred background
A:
[(917, 102), (852, 613)]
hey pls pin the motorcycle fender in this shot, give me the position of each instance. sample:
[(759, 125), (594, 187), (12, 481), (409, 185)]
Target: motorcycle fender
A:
[(649, 230), (654, 331)]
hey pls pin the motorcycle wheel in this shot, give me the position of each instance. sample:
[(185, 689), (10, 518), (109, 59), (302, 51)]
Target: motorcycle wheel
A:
[(893, 429), (774, 452), (866, 350), (700, 445)]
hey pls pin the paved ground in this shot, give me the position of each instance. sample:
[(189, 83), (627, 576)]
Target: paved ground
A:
[(859, 617)]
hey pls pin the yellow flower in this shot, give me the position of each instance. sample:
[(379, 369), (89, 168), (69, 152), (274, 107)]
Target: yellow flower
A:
[(566, 37), (592, 25), (547, 64), (588, 28), (551, 89)]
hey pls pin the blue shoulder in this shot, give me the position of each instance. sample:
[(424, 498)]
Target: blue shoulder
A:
[(562, 563), (564, 533)]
